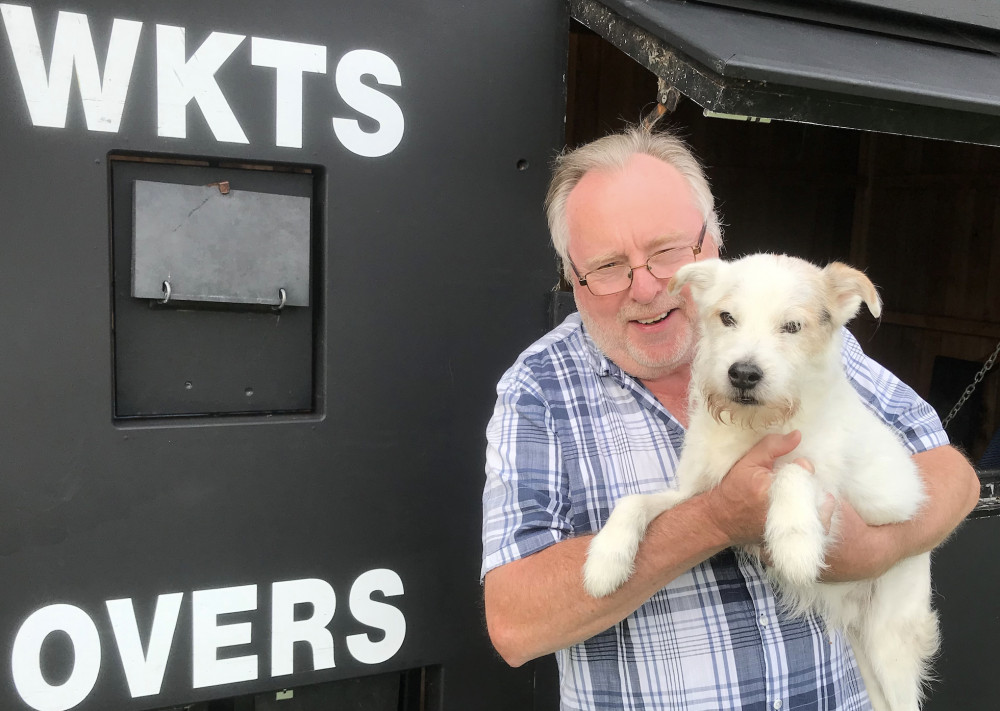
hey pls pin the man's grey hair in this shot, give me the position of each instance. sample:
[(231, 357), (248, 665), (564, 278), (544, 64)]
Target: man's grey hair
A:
[(612, 152)]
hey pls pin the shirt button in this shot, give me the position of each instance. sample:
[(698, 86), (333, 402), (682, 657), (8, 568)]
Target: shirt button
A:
[(763, 623), (777, 705)]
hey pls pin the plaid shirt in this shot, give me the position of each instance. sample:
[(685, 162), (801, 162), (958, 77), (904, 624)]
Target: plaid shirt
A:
[(571, 434)]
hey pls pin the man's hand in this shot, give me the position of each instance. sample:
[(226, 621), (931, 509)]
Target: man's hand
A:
[(864, 551), (739, 504), (860, 551)]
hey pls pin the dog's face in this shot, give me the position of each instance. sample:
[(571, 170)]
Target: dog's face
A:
[(768, 325)]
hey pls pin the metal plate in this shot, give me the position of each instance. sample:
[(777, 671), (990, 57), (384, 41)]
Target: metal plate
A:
[(189, 358), (238, 246)]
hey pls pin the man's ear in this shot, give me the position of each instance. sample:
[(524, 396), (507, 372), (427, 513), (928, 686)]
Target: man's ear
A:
[(847, 288), (700, 276)]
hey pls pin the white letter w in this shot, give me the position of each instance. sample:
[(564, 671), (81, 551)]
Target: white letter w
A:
[(48, 95)]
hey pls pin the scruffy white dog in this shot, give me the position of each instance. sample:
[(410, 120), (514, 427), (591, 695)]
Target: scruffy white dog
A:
[(769, 360)]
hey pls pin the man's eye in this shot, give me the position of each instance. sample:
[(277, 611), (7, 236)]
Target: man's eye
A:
[(791, 327), (727, 318)]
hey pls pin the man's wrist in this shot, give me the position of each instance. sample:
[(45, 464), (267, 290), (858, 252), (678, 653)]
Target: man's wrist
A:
[(716, 526)]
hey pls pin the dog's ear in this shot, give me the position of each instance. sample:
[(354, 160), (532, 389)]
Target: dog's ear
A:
[(700, 276), (848, 287)]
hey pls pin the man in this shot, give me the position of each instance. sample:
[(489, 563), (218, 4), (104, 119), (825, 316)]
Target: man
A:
[(596, 410)]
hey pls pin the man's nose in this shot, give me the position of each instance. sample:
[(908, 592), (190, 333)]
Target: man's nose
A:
[(645, 287)]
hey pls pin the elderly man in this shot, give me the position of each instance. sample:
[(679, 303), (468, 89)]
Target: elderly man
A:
[(596, 410)]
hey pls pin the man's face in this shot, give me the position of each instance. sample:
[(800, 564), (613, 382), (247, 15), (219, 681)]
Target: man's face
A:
[(624, 217)]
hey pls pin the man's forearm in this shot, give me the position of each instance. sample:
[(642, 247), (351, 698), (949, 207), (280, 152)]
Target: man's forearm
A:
[(952, 492), (537, 604)]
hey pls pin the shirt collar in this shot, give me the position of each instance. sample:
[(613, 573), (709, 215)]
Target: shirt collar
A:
[(601, 364)]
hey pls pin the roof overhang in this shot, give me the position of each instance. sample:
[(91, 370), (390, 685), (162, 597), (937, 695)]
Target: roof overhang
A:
[(924, 76)]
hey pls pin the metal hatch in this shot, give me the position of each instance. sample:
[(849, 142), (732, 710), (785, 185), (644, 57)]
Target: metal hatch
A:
[(926, 70)]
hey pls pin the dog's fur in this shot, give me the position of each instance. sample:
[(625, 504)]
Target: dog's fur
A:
[(778, 320)]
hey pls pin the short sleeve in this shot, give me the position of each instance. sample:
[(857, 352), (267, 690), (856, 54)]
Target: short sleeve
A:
[(893, 400), (526, 498)]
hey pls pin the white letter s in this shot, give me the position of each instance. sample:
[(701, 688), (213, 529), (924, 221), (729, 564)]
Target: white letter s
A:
[(370, 102)]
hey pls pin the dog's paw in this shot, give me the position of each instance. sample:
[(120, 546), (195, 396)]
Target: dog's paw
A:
[(611, 555), (796, 556), (610, 561), (794, 533)]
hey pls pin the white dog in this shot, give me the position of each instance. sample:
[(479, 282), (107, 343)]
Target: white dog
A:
[(769, 360)]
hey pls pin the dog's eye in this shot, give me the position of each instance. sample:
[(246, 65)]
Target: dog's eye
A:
[(791, 327), (727, 318)]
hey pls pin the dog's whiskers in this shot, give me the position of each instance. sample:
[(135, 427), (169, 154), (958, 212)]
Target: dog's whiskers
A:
[(754, 417)]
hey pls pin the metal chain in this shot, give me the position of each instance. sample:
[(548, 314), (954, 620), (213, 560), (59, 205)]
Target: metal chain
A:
[(972, 386)]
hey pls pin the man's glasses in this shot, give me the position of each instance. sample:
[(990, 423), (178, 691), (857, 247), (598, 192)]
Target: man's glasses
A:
[(618, 277)]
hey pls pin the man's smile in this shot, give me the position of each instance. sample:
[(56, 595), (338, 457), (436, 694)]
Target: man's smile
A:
[(655, 319), (652, 320)]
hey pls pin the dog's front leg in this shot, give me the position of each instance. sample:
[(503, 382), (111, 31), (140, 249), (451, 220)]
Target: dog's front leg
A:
[(794, 533), (611, 555)]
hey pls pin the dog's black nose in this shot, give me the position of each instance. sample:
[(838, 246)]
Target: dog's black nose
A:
[(745, 375)]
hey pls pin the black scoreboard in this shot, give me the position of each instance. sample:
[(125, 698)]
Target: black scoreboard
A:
[(262, 266)]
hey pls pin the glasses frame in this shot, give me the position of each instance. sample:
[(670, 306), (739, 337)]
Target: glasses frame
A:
[(695, 249)]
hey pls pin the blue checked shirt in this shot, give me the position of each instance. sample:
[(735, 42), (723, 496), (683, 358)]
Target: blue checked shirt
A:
[(571, 434)]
